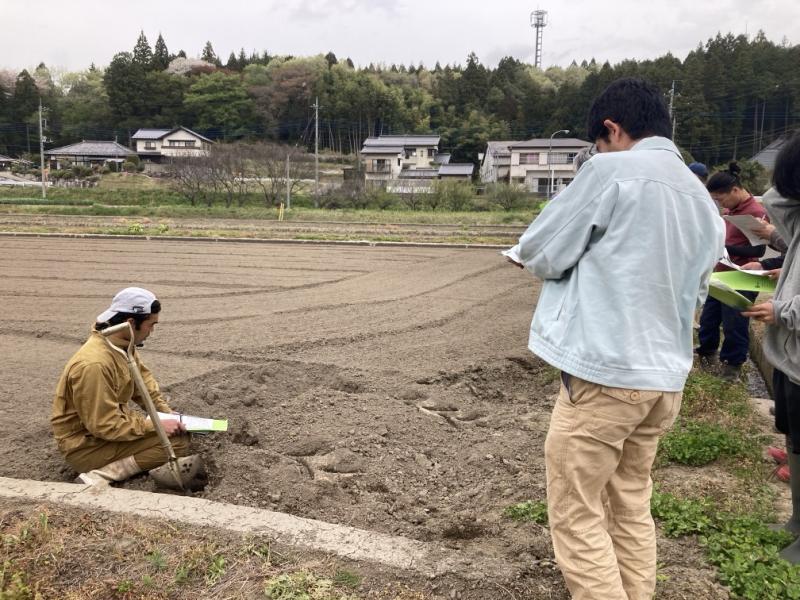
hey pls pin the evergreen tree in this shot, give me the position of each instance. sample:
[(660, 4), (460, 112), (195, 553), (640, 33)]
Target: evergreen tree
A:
[(233, 63), (142, 54), (208, 54), (161, 58)]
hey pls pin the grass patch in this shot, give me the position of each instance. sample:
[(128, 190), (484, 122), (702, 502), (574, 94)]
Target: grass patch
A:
[(742, 547), (302, 586), (530, 511), (696, 443)]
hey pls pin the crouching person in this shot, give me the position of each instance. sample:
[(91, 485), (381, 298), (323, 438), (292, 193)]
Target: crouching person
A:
[(100, 435)]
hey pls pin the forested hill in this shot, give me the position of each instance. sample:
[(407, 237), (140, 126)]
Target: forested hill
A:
[(733, 95)]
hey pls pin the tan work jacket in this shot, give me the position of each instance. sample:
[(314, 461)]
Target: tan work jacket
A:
[(92, 397)]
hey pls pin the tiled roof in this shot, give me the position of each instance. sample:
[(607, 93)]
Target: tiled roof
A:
[(403, 140), (150, 134), (546, 143), (110, 149), (382, 150), (457, 169)]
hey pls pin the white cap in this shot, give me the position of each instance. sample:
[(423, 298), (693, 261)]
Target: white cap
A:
[(130, 300)]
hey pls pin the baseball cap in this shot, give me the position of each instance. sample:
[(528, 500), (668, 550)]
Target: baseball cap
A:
[(130, 300), (698, 169)]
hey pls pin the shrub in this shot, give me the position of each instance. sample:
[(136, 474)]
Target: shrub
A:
[(508, 197), (529, 510)]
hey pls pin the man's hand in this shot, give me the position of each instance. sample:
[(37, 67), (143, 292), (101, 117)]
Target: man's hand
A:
[(752, 266), (764, 231), (515, 263), (761, 312), (173, 427), (774, 273)]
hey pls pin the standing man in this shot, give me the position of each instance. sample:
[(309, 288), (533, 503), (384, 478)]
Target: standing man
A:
[(96, 430), (625, 252)]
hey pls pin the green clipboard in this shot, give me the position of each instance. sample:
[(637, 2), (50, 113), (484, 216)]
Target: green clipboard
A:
[(744, 281), (727, 295)]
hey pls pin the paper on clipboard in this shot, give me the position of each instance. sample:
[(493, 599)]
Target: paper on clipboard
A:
[(726, 260), (196, 424), (746, 224), (745, 281)]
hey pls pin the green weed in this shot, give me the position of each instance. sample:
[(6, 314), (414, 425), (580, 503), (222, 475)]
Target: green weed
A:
[(698, 443), (529, 510)]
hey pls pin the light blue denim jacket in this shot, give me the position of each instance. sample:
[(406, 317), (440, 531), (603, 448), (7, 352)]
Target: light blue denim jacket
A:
[(625, 252)]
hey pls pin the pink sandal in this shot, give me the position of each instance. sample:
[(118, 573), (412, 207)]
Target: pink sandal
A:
[(782, 473), (778, 455)]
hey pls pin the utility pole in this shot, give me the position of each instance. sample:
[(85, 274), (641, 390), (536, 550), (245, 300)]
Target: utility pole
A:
[(41, 151), (671, 108), (288, 185), (316, 152)]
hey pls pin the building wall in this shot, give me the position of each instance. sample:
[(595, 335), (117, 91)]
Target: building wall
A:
[(180, 138)]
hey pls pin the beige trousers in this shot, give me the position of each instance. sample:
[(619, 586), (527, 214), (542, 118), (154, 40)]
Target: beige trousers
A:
[(599, 452), (147, 451)]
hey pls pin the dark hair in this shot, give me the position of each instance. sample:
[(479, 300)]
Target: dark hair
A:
[(138, 318), (724, 181), (635, 105), (786, 177)]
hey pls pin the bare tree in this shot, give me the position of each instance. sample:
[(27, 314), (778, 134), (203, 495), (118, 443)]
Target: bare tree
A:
[(191, 177), (269, 170)]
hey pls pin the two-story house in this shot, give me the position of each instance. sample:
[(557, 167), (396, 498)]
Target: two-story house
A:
[(154, 145), (385, 157), (537, 164)]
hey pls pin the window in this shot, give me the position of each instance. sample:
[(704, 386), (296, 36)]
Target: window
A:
[(149, 145), (560, 158), (411, 152), (529, 158), (181, 143)]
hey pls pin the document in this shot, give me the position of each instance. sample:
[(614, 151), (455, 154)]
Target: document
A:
[(196, 424), (726, 260), (746, 224), (745, 281), (727, 295)]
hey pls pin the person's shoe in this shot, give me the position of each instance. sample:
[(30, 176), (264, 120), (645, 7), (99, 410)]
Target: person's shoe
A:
[(782, 473), (192, 473), (119, 470), (778, 455), (731, 373), (707, 362)]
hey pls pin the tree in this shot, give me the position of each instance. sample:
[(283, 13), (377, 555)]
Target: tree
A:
[(208, 54), (219, 103), (161, 57), (142, 54), (331, 59)]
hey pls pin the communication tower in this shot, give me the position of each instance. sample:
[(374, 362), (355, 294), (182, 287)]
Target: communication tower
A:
[(538, 22)]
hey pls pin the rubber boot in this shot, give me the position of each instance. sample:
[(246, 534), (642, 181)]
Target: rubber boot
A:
[(793, 524), (119, 470), (192, 471)]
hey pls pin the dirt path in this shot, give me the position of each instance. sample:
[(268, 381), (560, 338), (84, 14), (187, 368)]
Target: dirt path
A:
[(388, 389)]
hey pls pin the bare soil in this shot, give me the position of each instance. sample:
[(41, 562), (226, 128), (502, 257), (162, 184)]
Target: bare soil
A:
[(384, 388)]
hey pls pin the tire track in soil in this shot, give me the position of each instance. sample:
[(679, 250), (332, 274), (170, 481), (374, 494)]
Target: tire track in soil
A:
[(253, 356), (461, 279)]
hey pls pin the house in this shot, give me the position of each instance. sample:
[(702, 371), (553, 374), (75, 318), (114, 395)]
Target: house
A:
[(6, 162), (766, 157), (389, 157), (533, 163), (153, 145), (88, 153)]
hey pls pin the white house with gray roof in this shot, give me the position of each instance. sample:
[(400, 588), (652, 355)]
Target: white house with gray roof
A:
[(532, 163), (156, 144), (387, 159), (88, 153)]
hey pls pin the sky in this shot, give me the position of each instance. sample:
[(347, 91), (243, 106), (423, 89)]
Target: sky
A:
[(70, 35)]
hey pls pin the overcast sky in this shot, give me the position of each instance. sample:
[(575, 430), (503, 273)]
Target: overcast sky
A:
[(71, 34)]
